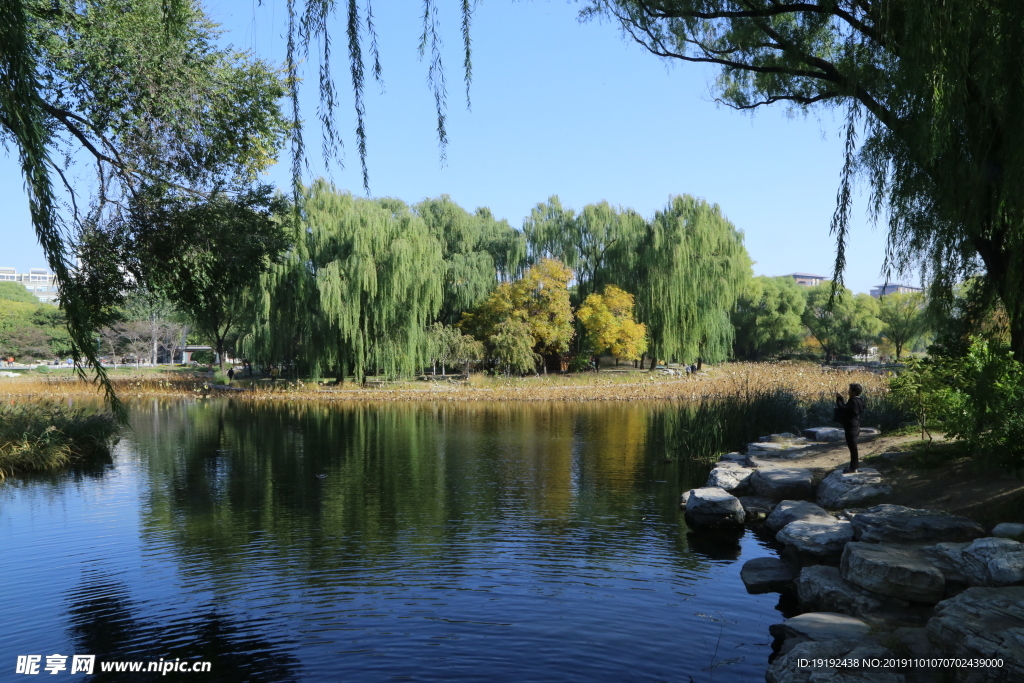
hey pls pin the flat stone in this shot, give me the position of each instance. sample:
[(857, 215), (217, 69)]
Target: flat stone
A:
[(709, 508), (792, 666), (899, 524), (856, 489), (795, 510), (816, 626), (989, 561), (820, 538), (730, 477), (757, 507), (766, 575), (1009, 530), (783, 483), (829, 434), (823, 588), (738, 458), (777, 449), (984, 623), (899, 571)]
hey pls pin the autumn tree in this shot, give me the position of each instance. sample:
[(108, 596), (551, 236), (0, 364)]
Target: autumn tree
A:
[(608, 320)]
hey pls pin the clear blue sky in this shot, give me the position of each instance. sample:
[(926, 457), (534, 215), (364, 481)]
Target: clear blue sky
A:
[(558, 107)]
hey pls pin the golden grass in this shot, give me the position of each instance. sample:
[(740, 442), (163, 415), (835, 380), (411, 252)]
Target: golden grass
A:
[(806, 381), (41, 436)]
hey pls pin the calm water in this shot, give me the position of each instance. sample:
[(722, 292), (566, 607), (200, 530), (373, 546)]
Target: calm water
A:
[(409, 542)]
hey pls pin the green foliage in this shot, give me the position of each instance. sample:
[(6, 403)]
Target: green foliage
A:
[(447, 345), (15, 291), (203, 357), (355, 293), (933, 94), (513, 345), (769, 317), (843, 324), (32, 330), (903, 319), (40, 436)]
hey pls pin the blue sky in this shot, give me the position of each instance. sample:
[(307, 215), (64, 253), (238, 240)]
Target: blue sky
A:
[(558, 107)]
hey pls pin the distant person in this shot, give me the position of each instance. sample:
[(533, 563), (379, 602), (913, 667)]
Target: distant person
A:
[(231, 374), (848, 412)]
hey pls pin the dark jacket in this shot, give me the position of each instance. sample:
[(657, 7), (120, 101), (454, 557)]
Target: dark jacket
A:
[(851, 410)]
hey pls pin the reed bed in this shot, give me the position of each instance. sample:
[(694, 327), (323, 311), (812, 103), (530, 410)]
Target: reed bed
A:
[(42, 436), (805, 381)]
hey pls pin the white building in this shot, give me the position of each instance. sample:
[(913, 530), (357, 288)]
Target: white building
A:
[(882, 290), (807, 279), (41, 282)]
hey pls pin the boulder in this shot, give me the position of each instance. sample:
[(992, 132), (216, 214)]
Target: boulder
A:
[(795, 510), (985, 623), (829, 434), (737, 458), (856, 489), (757, 507), (792, 667), (899, 571), (947, 557), (730, 477), (777, 449), (899, 524), (819, 538), (823, 588), (987, 561), (1009, 530), (816, 626), (783, 483), (766, 575), (683, 499), (709, 508)]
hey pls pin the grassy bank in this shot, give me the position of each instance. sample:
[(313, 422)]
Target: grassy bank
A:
[(38, 437)]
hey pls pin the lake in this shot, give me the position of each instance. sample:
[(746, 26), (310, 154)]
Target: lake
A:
[(422, 542)]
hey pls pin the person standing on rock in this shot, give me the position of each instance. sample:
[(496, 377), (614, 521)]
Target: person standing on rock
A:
[(848, 412)]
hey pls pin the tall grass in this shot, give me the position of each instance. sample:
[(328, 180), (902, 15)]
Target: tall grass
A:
[(38, 437)]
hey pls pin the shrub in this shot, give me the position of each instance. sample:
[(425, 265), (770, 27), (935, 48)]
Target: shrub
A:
[(42, 368), (43, 436)]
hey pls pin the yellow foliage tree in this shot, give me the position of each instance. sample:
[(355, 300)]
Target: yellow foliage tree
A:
[(608, 320)]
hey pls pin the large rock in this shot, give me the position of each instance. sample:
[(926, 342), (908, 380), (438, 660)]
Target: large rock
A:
[(899, 571), (823, 588), (710, 508), (792, 667), (985, 562), (816, 626), (738, 458), (775, 449), (898, 524), (730, 477), (1009, 530), (795, 510), (766, 575), (757, 507), (985, 623), (819, 538), (830, 434), (856, 489), (783, 483)]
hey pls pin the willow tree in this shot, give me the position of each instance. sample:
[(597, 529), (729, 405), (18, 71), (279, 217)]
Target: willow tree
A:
[(597, 243), (933, 95), (690, 270), (361, 285), (478, 250)]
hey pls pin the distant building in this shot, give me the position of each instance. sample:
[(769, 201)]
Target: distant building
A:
[(807, 280), (882, 290), (41, 282)]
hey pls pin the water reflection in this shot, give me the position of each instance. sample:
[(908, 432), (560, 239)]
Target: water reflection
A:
[(367, 542)]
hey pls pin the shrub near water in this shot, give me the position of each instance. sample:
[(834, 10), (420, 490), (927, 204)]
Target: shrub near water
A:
[(40, 436)]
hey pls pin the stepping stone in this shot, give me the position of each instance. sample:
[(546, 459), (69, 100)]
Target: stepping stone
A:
[(818, 538), (711, 508), (830, 434), (984, 623), (823, 588), (757, 507), (899, 524), (737, 458), (795, 510), (776, 450), (730, 477), (816, 626), (856, 489), (766, 575), (989, 561), (1009, 530), (783, 483), (897, 571)]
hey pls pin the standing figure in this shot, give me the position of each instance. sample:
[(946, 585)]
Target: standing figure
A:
[(848, 412)]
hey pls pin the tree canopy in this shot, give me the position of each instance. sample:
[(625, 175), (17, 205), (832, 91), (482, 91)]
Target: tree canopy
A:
[(842, 323), (608, 320), (903, 319), (932, 94), (769, 317)]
